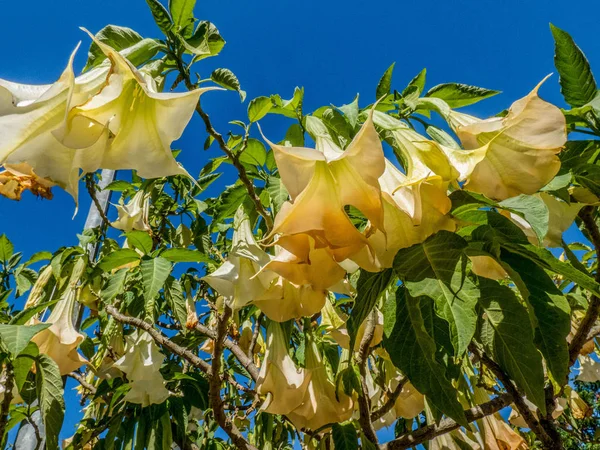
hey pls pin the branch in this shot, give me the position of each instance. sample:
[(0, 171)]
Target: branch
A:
[(81, 380), (215, 384), (591, 315), (8, 396), (255, 335), (364, 404), (390, 402), (526, 413), (91, 188), (447, 425)]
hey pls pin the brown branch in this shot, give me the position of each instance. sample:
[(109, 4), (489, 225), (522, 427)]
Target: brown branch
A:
[(82, 381), (91, 188), (215, 384), (390, 402), (528, 416), (255, 335), (591, 316), (447, 425), (364, 403), (8, 396)]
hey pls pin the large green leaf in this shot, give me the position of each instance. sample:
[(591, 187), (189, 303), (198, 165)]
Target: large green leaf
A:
[(154, 275), (369, 288), (532, 209), (161, 16), (185, 255), (576, 79), (259, 108), (174, 295), (6, 249), (114, 286), (457, 95), (385, 83), (277, 192), (182, 12), (227, 79), (550, 309), (344, 436), (16, 337), (50, 394), (230, 200), (507, 336), (436, 268), (413, 351), (140, 240), (118, 258)]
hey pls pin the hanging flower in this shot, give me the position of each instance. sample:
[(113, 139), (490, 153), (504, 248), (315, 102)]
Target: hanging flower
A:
[(134, 214), (140, 122), (16, 178), (322, 181), (61, 339), (487, 267), (520, 148), (141, 362), (241, 279), (279, 379), (335, 321), (589, 369), (320, 405)]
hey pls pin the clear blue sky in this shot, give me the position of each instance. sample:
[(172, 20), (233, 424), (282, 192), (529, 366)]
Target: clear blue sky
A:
[(334, 48)]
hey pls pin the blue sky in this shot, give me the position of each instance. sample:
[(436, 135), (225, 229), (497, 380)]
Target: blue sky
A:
[(334, 48)]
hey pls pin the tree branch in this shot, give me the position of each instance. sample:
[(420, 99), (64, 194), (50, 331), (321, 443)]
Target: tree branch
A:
[(8, 396), (447, 425), (255, 335), (390, 402), (81, 380), (591, 316), (364, 403), (91, 188), (215, 384)]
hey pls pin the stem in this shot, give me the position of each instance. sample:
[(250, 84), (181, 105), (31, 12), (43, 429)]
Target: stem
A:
[(215, 384), (364, 403), (91, 188), (390, 402), (8, 396)]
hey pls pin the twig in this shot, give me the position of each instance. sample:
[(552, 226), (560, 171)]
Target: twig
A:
[(215, 384), (255, 335), (364, 403), (591, 316), (390, 402), (8, 396), (447, 425), (91, 188), (81, 380)]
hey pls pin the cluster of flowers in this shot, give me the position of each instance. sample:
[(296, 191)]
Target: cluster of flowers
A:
[(112, 117)]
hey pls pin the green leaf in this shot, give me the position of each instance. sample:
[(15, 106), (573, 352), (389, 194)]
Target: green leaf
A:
[(344, 436), (384, 86), (413, 350), (577, 82), (229, 202), (258, 108), (161, 16), (255, 153), (440, 136), (176, 255), (16, 337), (174, 295), (154, 275), (227, 79), (291, 108), (6, 249), (351, 111), (182, 12), (50, 394), (140, 240), (457, 95), (22, 317), (37, 257), (369, 287), (550, 309), (277, 192), (114, 286), (418, 81), (25, 278), (532, 209), (23, 363), (205, 42), (436, 269), (507, 336), (118, 258), (294, 136)]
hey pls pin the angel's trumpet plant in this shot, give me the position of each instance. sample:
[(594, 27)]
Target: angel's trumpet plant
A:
[(133, 215)]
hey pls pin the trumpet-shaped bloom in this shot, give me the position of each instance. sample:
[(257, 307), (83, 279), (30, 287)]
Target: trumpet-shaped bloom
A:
[(450, 441), (134, 214), (589, 369), (141, 362), (520, 149), (412, 213), (286, 300), (561, 216), (61, 339), (279, 379), (29, 115), (410, 402), (17, 178), (241, 279), (335, 324), (495, 433), (517, 420), (322, 181), (319, 404), (140, 122)]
